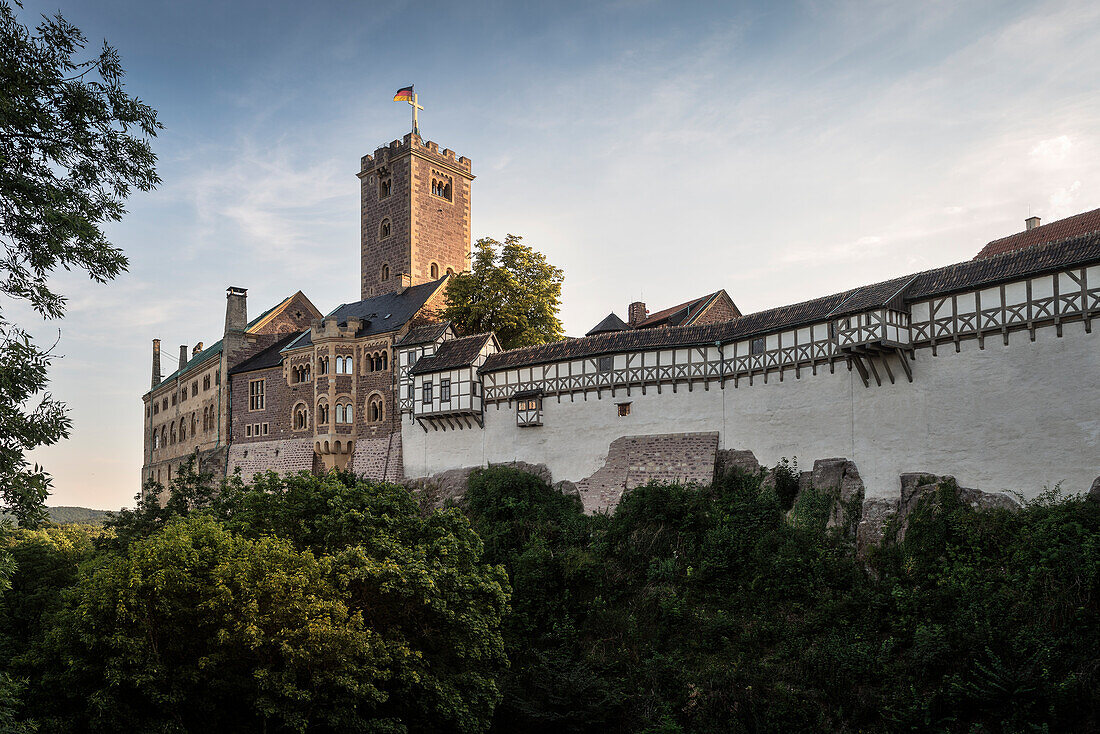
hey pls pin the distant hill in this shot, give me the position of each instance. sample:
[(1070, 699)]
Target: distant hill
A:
[(74, 515)]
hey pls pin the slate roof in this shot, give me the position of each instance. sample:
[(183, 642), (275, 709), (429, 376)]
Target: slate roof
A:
[(937, 282), (423, 334), (452, 354), (610, 323), (679, 314), (269, 357), (213, 349), (1078, 224), (382, 314)]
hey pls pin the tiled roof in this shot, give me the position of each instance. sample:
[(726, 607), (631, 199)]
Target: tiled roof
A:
[(423, 334), (213, 349), (452, 354), (381, 314), (676, 315), (1059, 230), (939, 281), (610, 323), (266, 358)]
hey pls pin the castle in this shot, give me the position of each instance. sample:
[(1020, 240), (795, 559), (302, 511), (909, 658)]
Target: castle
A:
[(987, 369)]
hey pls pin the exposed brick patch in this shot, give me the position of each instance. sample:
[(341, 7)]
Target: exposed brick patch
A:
[(636, 460), (379, 458), (285, 456)]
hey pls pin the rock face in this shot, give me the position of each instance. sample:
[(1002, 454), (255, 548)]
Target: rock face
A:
[(436, 491), (1094, 490), (915, 486), (728, 459), (838, 478)]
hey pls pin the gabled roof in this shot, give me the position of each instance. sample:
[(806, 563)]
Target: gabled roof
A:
[(267, 358), (610, 323), (423, 334), (1061, 229), (968, 275), (454, 353), (216, 348), (381, 314), (683, 314)]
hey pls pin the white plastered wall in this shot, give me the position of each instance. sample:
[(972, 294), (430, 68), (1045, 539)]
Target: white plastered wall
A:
[(1017, 417)]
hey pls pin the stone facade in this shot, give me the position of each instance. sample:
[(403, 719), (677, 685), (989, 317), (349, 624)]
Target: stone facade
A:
[(633, 461), (415, 214)]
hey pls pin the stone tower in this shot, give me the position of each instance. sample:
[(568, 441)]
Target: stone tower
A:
[(415, 214)]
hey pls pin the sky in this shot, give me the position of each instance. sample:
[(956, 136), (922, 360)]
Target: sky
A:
[(654, 151)]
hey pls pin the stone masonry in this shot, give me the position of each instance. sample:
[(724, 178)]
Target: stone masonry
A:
[(633, 461), (288, 455)]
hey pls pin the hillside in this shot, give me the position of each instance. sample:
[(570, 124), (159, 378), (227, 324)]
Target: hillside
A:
[(74, 515)]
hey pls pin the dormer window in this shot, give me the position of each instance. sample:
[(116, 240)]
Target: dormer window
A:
[(384, 229)]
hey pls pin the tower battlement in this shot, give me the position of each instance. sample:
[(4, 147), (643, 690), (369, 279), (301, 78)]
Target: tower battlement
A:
[(413, 143)]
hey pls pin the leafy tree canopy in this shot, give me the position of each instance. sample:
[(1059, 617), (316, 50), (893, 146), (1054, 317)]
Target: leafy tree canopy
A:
[(73, 145), (512, 291)]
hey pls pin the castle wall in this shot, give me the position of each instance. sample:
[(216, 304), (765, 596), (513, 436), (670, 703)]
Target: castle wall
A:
[(1016, 417), (282, 456)]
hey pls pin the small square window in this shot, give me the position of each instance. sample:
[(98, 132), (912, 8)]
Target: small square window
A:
[(606, 363), (757, 346), (624, 409)]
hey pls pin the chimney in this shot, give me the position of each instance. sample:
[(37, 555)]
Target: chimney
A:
[(1031, 222), (156, 362), (183, 355), (196, 350), (404, 283), (236, 309), (635, 313)]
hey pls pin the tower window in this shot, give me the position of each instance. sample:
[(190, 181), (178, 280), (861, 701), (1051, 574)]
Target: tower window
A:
[(375, 410), (384, 229), (441, 185), (385, 271), (435, 271), (385, 186)]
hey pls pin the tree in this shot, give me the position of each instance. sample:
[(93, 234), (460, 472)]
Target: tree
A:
[(517, 295), (73, 145)]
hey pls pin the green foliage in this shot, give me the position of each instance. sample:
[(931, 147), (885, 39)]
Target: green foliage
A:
[(516, 294), (73, 145), (709, 610), (295, 603)]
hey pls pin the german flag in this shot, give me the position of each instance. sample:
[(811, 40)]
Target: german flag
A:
[(404, 94)]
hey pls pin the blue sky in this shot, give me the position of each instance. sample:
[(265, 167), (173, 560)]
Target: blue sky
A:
[(652, 150)]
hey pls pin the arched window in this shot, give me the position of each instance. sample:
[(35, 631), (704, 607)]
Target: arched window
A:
[(172, 435), (301, 417), (348, 413), (385, 186), (385, 271), (322, 366), (183, 429), (450, 271), (435, 271), (385, 360), (322, 413), (194, 425), (156, 439), (375, 409), (163, 436), (384, 229)]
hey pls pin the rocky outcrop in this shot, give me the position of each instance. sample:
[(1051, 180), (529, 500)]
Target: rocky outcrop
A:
[(1094, 490), (726, 460), (439, 490)]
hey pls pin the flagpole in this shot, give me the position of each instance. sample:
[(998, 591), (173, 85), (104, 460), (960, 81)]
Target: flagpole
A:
[(415, 106)]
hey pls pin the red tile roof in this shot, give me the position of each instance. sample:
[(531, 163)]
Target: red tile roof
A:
[(1059, 230)]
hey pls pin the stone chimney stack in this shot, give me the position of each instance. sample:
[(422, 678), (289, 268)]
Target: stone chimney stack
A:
[(635, 313), (156, 362), (183, 355), (1031, 222), (236, 309), (405, 282), (196, 350)]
